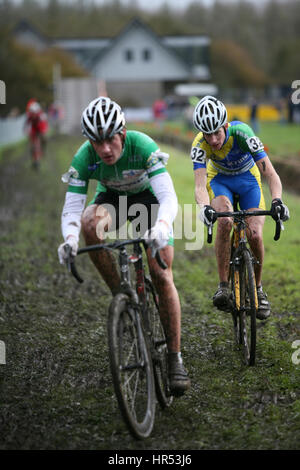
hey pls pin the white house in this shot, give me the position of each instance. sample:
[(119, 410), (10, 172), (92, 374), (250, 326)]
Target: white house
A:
[(136, 67), (139, 66)]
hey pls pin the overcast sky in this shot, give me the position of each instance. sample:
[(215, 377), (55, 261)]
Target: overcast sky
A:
[(151, 5), (174, 4), (154, 4)]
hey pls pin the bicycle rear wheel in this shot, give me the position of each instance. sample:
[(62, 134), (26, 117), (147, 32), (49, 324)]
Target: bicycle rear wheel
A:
[(159, 348), (248, 308), (131, 367)]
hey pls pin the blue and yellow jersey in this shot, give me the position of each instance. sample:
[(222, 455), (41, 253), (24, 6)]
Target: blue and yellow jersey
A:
[(240, 151)]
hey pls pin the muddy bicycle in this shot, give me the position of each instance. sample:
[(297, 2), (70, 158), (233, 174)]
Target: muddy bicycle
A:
[(243, 299), (136, 340)]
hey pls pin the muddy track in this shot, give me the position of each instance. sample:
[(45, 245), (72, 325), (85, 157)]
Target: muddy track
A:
[(55, 388), (37, 307)]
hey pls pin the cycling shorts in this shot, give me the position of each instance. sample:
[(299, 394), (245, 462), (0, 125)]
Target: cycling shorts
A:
[(140, 209), (247, 185)]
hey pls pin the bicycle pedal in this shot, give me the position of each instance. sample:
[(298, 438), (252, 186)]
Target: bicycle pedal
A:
[(224, 308), (178, 394)]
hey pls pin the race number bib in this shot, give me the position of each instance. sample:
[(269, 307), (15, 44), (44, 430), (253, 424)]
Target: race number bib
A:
[(198, 155), (254, 144)]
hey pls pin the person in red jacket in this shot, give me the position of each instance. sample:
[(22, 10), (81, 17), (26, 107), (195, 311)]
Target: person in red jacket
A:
[(36, 126)]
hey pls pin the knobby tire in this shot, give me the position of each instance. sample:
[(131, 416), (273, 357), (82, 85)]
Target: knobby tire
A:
[(234, 310), (248, 308), (131, 367)]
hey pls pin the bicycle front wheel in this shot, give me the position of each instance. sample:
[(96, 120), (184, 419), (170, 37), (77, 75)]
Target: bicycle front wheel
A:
[(248, 308), (159, 348), (235, 299), (131, 367)]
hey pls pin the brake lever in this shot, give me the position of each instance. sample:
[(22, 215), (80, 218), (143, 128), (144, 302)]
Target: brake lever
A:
[(209, 233), (68, 251), (70, 262), (279, 227), (161, 262), (157, 256)]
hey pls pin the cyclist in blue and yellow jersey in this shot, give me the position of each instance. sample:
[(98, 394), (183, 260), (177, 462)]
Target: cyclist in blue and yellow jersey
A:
[(229, 159), (133, 184)]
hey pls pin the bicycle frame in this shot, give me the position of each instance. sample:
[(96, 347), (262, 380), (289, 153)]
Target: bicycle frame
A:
[(239, 242), (124, 262), (138, 296)]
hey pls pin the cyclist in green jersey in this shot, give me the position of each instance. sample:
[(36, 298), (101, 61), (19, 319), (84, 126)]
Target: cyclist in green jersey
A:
[(229, 159), (132, 179)]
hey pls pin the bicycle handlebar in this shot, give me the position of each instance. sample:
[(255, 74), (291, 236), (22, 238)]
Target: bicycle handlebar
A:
[(71, 263), (243, 214), (109, 246)]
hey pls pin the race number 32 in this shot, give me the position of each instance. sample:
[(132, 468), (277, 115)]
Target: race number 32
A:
[(198, 155), (254, 144)]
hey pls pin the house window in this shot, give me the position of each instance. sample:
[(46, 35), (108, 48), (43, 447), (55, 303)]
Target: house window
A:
[(146, 54), (129, 55)]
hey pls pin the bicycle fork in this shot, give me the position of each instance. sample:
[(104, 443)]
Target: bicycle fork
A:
[(135, 305), (238, 237), (238, 266)]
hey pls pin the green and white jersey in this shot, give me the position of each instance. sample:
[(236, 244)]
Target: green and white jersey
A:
[(140, 160)]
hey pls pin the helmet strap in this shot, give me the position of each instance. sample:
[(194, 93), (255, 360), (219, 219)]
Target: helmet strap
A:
[(123, 135)]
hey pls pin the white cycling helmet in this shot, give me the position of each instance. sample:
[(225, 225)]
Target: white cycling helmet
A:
[(102, 118), (34, 108), (209, 115)]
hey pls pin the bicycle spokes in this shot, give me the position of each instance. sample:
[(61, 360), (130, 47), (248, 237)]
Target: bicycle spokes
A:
[(244, 304), (131, 366)]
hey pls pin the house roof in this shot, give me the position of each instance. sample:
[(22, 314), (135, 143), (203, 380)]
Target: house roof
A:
[(137, 23), (24, 26), (73, 42)]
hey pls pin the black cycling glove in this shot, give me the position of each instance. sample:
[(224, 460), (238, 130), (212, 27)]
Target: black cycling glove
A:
[(207, 215), (278, 207)]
